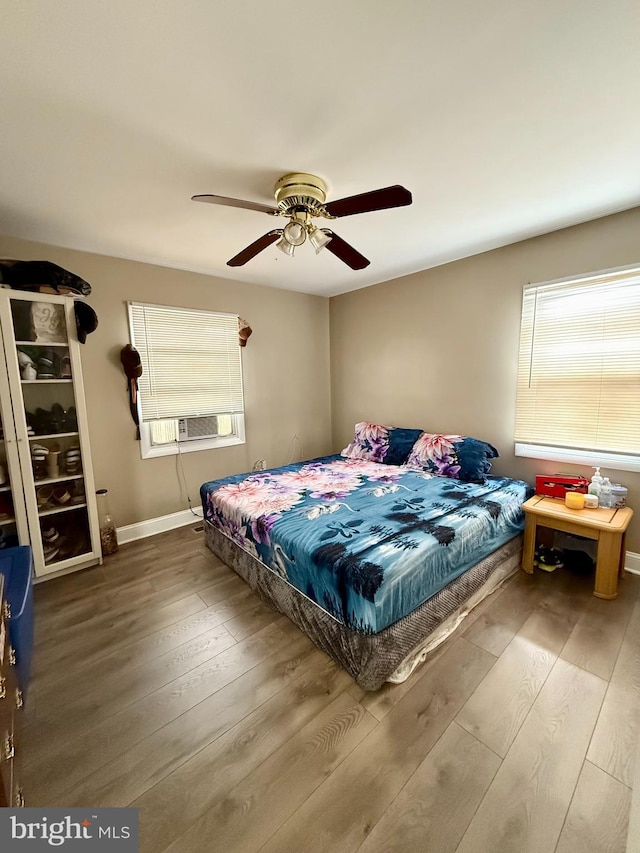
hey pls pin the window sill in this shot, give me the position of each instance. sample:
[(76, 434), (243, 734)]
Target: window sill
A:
[(590, 458), (188, 446)]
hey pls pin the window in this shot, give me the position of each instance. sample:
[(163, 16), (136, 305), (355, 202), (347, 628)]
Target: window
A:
[(190, 392), (579, 371)]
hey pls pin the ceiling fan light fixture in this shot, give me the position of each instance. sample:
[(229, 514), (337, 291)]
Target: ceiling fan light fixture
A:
[(285, 246), (294, 233), (318, 238)]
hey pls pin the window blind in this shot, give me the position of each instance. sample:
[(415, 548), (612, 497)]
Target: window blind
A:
[(191, 362), (579, 364)]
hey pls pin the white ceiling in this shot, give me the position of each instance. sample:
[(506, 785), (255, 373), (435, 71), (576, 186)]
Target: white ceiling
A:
[(505, 118)]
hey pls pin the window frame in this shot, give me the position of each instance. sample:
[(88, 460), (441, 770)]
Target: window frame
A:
[(532, 450), (148, 450)]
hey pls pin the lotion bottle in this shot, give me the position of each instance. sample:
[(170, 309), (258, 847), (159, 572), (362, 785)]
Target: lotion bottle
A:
[(596, 482)]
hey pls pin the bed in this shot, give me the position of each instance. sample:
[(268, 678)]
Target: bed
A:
[(376, 562)]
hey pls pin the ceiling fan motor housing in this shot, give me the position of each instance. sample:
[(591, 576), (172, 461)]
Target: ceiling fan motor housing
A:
[(299, 191)]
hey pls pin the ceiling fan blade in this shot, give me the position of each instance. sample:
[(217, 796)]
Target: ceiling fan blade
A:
[(236, 202), (255, 248), (341, 249), (395, 196)]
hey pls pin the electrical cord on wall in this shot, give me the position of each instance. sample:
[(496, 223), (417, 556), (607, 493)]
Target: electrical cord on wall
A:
[(180, 471), (295, 444)]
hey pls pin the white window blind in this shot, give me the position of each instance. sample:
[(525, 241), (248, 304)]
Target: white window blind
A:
[(191, 362), (579, 364)]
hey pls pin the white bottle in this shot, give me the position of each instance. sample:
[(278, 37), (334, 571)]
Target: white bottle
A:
[(596, 482), (605, 497)]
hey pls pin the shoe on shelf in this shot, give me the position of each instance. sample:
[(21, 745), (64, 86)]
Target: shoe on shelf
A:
[(65, 367), (50, 552), (41, 420), (71, 420), (78, 496), (57, 418), (39, 455), (28, 369), (72, 460), (61, 495), (79, 546), (43, 497), (50, 536)]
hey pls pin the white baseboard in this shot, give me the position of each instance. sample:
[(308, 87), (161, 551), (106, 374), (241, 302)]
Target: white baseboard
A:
[(632, 563), (142, 529)]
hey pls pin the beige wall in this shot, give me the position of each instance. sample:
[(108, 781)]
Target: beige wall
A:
[(438, 349), (285, 368)]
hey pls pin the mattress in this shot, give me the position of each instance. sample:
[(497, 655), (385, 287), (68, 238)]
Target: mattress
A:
[(393, 653), (366, 542)]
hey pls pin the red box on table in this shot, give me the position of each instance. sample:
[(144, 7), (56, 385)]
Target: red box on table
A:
[(558, 485)]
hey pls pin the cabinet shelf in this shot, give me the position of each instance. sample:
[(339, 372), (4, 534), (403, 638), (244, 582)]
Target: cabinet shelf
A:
[(58, 509), (52, 435), (42, 344), (5, 521), (47, 381), (67, 562), (62, 479), (5, 488)]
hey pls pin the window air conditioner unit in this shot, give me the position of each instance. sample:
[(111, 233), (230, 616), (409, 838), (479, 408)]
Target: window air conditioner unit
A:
[(190, 429)]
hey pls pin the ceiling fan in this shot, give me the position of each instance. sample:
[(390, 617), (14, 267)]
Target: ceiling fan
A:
[(301, 197)]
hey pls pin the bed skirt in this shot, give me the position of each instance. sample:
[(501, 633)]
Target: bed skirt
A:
[(393, 653)]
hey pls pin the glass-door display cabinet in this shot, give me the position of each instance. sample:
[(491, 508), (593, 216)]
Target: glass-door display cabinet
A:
[(50, 490), (14, 529)]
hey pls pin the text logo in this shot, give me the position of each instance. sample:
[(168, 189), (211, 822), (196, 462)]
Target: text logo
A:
[(26, 830)]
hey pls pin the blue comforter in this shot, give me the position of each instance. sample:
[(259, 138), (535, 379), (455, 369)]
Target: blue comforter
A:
[(365, 541)]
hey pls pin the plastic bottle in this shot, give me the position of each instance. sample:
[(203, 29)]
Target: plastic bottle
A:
[(605, 497), (596, 482), (108, 535)]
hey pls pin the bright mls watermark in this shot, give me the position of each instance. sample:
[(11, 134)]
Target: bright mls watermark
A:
[(82, 830)]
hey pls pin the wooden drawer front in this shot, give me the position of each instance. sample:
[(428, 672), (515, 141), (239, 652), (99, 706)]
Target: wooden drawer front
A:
[(6, 779), (10, 694), (10, 715), (7, 747), (7, 744)]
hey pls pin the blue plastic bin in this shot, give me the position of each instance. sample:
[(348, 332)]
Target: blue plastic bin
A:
[(15, 565)]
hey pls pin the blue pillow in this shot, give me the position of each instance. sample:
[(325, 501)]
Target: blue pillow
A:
[(456, 456), (401, 441), (473, 457)]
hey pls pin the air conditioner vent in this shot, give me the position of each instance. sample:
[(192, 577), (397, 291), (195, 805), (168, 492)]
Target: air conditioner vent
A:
[(190, 429)]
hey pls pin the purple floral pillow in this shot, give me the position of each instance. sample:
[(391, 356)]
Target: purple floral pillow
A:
[(370, 441), (456, 456)]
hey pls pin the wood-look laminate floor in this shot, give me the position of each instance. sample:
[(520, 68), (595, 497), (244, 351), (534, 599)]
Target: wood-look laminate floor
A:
[(161, 682)]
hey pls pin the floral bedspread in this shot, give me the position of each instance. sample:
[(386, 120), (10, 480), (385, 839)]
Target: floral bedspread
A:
[(367, 542)]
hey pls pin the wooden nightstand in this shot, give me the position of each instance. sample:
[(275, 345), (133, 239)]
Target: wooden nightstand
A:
[(606, 526)]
